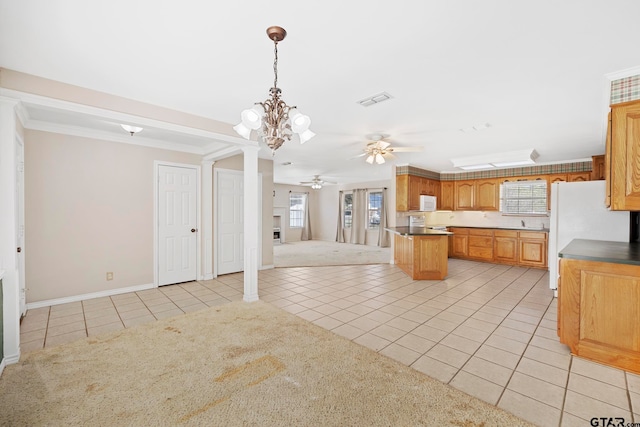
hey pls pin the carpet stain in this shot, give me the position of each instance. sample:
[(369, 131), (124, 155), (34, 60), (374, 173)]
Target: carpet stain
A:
[(253, 372), (93, 387), (240, 378), (172, 329)]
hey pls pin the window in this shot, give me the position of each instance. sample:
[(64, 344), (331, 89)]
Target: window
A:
[(348, 209), (296, 210), (374, 211), (524, 197)]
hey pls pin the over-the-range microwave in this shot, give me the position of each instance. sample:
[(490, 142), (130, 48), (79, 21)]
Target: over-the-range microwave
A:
[(428, 203)]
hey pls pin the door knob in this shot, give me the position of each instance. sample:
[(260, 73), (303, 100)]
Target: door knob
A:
[(193, 230), (19, 250)]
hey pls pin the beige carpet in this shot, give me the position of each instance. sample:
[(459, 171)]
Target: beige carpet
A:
[(241, 364), (313, 253)]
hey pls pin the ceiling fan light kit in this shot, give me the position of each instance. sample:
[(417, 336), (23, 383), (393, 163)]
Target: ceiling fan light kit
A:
[(273, 119), (377, 149)]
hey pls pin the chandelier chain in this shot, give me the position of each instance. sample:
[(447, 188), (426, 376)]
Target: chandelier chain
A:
[(275, 63)]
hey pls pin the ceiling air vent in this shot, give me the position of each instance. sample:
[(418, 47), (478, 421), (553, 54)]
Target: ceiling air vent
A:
[(375, 99)]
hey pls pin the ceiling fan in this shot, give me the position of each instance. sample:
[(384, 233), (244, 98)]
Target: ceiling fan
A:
[(378, 148), (316, 183)]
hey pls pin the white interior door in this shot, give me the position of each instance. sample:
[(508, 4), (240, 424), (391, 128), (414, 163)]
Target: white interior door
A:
[(20, 225), (230, 221), (177, 224)]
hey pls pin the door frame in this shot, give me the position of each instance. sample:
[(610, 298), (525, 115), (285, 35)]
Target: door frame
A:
[(20, 225), (156, 241), (216, 243)]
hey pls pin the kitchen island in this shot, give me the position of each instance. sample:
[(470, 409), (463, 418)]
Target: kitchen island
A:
[(421, 252), (599, 301)]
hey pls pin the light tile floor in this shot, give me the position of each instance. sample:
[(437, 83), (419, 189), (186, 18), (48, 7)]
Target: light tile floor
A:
[(488, 330)]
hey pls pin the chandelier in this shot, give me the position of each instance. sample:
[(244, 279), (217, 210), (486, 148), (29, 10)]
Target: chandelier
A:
[(274, 120)]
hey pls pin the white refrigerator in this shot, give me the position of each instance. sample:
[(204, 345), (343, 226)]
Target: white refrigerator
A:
[(578, 212)]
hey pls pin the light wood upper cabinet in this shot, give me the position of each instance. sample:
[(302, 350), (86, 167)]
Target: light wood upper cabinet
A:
[(579, 176), (623, 160), (487, 194), (556, 177), (402, 193), (415, 189), (446, 199), (478, 194), (409, 188), (597, 168), (464, 195)]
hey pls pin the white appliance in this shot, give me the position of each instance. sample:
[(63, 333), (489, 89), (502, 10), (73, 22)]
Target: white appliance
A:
[(427, 203), (578, 212)]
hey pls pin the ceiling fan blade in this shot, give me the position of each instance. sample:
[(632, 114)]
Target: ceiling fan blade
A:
[(383, 144), (406, 149), (359, 155)]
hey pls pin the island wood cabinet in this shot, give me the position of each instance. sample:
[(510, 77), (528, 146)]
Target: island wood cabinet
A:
[(422, 257), (477, 194), (599, 311), (622, 151), (409, 188), (524, 248)]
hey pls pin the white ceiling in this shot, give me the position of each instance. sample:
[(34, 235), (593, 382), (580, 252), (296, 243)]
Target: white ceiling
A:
[(534, 70)]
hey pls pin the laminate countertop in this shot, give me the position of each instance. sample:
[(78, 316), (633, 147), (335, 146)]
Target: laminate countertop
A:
[(602, 251), (417, 231)]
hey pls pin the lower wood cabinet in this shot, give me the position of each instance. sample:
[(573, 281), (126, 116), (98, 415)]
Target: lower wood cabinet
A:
[(459, 242), (480, 244), (599, 311), (532, 249), (525, 248), (505, 246)]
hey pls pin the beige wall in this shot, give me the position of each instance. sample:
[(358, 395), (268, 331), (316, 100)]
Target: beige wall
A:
[(89, 210), (281, 204), (265, 168)]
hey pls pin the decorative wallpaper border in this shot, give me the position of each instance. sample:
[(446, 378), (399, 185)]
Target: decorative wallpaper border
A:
[(497, 173), (625, 90)]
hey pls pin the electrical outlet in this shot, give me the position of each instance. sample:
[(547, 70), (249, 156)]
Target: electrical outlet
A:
[(109, 275)]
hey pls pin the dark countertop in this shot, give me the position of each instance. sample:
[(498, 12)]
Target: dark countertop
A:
[(545, 230), (602, 251), (417, 231)]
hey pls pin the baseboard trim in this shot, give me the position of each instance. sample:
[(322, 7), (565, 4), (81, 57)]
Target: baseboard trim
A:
[(267, 267), (208, 277), (10, 360), (75, 298)]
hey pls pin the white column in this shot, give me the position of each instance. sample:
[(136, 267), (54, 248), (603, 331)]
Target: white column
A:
[(207, 219), (8, 230), (251, 219)]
